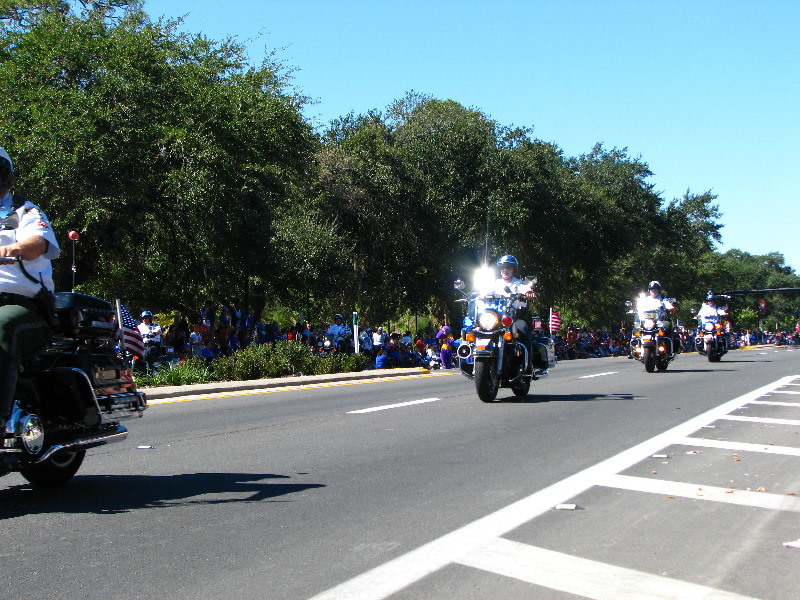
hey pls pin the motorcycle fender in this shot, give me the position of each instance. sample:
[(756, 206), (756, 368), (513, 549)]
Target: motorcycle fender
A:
[(709, 337)]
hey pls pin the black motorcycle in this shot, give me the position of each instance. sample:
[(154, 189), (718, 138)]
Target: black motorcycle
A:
[(712, 339), (70, 398), (493, 351), (653, 342)]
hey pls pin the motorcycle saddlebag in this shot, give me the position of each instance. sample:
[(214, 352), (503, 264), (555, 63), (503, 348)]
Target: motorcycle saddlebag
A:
[(544, 354), (83, 316)]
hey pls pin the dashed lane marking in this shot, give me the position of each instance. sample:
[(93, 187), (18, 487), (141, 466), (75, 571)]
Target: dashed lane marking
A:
[(388, 406), (598, 375)]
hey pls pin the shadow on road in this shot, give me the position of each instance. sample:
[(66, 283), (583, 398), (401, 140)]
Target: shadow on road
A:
[(109, 494), (539, 398)]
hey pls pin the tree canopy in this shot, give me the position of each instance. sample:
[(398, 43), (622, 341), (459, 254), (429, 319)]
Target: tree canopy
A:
[(193, 176)]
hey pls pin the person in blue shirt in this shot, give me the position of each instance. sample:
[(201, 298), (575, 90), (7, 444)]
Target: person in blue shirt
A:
[(382, 360)]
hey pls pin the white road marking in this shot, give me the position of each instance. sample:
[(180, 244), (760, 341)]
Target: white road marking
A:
[(744, 446), (583, 577), (456, 546), (598, 375), (704, 492), (388, 406), (785, 392), (768, 403), (761, 420)]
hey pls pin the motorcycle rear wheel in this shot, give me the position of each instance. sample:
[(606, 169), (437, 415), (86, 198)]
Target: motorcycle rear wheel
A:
[(485, 383), (55, 471), (649, 358)]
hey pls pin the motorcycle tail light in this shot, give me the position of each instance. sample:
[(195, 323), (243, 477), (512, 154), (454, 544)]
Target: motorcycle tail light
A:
[(470, 337), (507, 321), (507, 336)]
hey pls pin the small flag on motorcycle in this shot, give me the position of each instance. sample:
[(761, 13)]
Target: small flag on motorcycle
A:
[(555, 321)]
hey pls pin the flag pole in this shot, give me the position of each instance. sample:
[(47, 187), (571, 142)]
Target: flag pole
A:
[(119, 327)]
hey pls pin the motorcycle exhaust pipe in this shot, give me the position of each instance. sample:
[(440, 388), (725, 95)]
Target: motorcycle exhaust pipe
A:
[(464, 351)]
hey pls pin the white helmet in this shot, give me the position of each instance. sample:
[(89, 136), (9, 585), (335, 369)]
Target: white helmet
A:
[(6, 172), (4, 154)]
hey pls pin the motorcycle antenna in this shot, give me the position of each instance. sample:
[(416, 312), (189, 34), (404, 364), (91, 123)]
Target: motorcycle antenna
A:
[(486, 243), (73, 235)]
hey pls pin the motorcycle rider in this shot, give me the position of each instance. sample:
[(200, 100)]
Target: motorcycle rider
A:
[(151, 334), (655, 301), (710, 308), (25, 233), (508, 284)]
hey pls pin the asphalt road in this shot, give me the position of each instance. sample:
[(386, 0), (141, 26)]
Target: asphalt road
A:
[(605, 482)]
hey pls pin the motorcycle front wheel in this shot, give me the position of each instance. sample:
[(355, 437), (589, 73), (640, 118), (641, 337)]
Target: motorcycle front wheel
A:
[(55, 471), (485, 379), (649, 358)]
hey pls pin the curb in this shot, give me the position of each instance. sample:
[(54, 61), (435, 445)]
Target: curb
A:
[(173, 391)]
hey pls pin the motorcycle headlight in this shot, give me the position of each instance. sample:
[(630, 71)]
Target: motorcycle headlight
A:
[(708, 327), (648, 324), (489, 320)]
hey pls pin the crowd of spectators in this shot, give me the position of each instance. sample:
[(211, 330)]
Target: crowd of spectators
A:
[(223, 332)]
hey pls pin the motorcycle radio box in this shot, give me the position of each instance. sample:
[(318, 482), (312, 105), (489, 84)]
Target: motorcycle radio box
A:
[(83, 316)]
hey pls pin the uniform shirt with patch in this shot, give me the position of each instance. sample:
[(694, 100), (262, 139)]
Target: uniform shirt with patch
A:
[(32, 221)]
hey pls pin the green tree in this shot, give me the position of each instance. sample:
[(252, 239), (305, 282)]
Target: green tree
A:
[(162, 149)]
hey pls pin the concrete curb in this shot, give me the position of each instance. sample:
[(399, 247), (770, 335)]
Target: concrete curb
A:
[(173, 391)]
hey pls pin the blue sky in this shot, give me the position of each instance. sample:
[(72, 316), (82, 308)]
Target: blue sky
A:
[(706, 92)]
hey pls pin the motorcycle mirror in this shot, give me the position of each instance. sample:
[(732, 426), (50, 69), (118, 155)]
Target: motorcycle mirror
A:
[(531, 280), (461, 300), (459, 284), (628, 303), (693, 311)]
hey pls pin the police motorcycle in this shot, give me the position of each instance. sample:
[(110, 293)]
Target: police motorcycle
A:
[(493, 351), (327, 346), (652, 342), (712, 339), (72, 397)]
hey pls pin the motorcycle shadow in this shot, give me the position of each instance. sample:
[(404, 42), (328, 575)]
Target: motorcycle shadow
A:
[(111, 494), (540, 398)]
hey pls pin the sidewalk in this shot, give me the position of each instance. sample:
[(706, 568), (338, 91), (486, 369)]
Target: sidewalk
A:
[(173, 391)]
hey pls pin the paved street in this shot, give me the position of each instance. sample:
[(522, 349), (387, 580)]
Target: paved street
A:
[(605, 482)]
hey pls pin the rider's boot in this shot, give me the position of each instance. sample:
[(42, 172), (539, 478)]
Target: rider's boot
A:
[(9, 373)]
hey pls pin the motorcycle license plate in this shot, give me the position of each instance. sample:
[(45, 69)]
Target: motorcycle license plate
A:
[(708, 338), (647, 338)]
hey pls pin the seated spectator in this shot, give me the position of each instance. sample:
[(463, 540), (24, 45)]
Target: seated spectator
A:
[(234, 345), (208, 353), (382, 360)]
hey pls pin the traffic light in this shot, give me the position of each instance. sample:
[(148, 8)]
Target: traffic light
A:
[(762, 307)]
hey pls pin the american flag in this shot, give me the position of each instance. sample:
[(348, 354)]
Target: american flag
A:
[(130, 334), (555, 321)]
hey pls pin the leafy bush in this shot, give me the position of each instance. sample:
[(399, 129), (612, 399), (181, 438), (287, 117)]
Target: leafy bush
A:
[(255, 362), (191, 371), (352, 363), (294, 353)]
